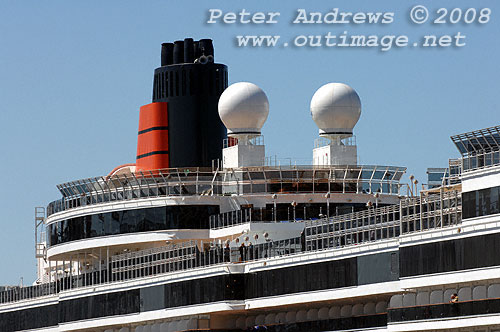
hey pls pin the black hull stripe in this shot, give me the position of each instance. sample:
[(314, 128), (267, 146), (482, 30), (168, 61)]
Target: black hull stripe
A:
[(152, 128), (151, 154)]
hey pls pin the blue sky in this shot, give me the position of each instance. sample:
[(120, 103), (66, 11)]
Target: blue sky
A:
[(73, 75)]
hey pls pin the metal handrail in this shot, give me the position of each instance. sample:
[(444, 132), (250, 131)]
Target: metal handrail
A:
[(326, 233), (250, 180)]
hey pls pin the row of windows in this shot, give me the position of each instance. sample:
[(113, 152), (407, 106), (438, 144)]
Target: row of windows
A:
[(304, 278), (13, 321), (360, 323), (27, 319), (453, 255), (447, 310), (109, 304), (481, 202), (189, 82), (481, 160), (430, 258), (131, 221)]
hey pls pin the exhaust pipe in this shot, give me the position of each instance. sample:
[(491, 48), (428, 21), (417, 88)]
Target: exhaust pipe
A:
[(178, 52), (188, 50), (167, 54), (206, 47)]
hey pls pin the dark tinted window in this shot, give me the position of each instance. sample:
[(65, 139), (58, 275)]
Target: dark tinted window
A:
[(453, 255), (131, 221), (481, 202)]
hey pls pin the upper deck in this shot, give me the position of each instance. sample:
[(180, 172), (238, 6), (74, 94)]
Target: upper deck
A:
[(479, 148), (227, 182)]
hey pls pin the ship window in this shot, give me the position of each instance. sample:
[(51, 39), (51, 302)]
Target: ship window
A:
[(130, 221), (481, 202), (451, 255)]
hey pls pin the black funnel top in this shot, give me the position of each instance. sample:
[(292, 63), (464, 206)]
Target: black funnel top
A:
[(186, 51)]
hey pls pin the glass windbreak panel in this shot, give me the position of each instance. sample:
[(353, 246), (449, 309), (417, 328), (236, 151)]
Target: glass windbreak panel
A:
[(257, 175), (290, 175), (336, 187), (247, 189), (233, 189), (244, 175), (258, 188), (472, 162), (366, 174), (378, 174), (289, 187), (188, 189), (205, 176), (398, 175), (305, 175), (466, 165), (304, 187), (389, 174), (339, 174), (376, 187), (351, 187), (353, 174), (321, 185), (323, 174), (395, 189), (188, 175), (488, 159), (230, 177), (273, 175), (274, 187), (240, 176), (204, 189), (435, 176)]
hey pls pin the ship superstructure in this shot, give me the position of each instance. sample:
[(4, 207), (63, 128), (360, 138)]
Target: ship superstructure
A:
[(203, 233)]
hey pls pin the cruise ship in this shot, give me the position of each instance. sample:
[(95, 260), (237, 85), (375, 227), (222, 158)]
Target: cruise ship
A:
[(204, 233)]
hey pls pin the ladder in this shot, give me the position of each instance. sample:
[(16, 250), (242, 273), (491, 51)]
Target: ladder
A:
[(40, 251)]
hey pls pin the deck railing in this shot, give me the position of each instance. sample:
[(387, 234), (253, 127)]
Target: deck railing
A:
[(155, 261), (226, 182), (429, 211)]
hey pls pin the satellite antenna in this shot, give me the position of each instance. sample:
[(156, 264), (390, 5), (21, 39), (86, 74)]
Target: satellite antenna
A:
[(243, 108), (335, 108)]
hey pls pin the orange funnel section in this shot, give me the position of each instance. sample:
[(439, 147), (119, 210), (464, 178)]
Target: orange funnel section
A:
[(152, 142)]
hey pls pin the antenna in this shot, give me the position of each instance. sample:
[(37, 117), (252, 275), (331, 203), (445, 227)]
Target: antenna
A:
[(335, 108)]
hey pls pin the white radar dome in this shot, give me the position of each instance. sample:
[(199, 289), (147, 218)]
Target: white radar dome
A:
[(335, 107), (243, 108)]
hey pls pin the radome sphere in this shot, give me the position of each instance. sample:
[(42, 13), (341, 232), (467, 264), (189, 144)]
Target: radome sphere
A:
[(335, 108), (243, 108)]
